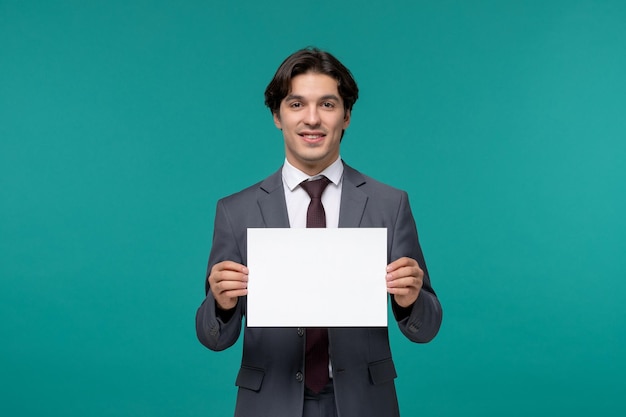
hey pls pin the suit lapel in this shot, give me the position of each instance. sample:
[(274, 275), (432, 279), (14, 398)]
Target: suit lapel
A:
[(353, 199), (274, 208), (272, 202)]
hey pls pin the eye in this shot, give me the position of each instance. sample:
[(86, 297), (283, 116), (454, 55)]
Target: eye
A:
[(328, 104), (295, 105)]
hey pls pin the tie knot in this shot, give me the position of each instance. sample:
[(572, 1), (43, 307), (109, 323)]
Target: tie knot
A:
[(316, 187)]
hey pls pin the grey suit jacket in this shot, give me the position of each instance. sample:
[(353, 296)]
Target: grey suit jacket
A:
[(270, 379)]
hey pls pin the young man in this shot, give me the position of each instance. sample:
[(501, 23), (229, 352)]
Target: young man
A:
[(311, 98)]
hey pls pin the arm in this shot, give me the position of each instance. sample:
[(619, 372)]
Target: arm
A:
[(218, 320), (414, 302)]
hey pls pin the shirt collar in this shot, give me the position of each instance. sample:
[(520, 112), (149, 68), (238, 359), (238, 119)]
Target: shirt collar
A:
[(293, 176)]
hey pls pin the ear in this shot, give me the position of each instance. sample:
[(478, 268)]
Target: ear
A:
[(346, 119), (277, 122)]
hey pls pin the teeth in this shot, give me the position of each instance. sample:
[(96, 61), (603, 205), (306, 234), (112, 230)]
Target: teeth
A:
[(312, 136)]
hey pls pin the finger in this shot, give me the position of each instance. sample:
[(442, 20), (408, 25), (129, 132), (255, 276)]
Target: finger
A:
[(399, 291), (406, 282), (406, 271), (228, 270), (228, 275), (228, 290), (229, 266), (407, 293), (404, 290), (235, 293), (229, 285), (400, 263)]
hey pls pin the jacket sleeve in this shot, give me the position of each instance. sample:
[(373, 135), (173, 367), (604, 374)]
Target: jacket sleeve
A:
[(421, 322), (215, 330)]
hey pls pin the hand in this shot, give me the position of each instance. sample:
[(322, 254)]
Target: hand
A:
[(404, 281), (228, 281)]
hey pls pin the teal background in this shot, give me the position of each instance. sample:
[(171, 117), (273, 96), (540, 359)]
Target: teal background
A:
[(123, 122)]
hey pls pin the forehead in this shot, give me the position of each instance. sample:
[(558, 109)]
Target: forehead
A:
[(313, 84)]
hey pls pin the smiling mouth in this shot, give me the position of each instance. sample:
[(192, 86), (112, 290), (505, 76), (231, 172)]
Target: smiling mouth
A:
[(312, 137)]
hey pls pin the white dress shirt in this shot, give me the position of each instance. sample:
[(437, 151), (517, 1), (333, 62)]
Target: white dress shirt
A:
[(298, 200)]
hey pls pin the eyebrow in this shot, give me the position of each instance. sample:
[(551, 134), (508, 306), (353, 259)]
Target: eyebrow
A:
[(301, 98)]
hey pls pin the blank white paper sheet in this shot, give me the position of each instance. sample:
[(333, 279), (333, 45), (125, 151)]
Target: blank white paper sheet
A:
[(317, 277)]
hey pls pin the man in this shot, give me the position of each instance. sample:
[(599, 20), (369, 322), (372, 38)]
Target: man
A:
[(311, 98)]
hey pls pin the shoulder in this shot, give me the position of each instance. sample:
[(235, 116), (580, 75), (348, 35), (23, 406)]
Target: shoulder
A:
[(246, 193), (255, 191), (371, 186)]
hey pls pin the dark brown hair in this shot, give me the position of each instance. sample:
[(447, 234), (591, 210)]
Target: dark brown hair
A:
[(310, 60)]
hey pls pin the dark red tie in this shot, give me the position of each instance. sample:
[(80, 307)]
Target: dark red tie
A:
[(316, 358)]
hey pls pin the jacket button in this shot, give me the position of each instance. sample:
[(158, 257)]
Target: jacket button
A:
[(299, 377), (300, 331), (414, 327)]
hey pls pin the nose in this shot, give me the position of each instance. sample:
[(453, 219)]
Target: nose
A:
[(312, 116)]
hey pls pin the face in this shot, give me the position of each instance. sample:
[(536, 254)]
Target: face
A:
[(312, 119)]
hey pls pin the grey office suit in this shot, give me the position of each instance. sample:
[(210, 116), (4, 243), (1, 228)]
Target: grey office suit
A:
[(270, 379)]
